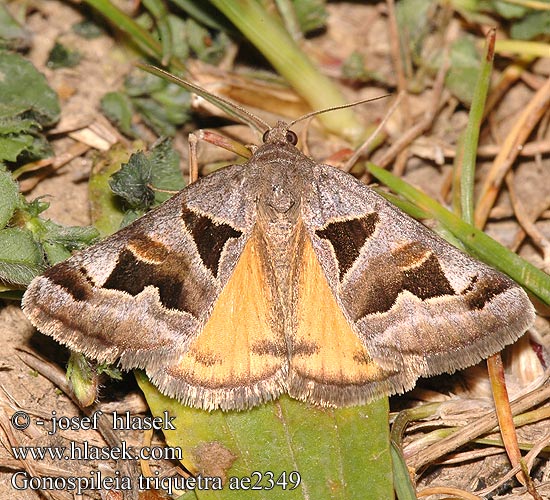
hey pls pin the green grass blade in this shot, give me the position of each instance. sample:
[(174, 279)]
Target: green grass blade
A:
[(471, 134), (228, 107), (523, 48), (205, 14), (140, 36), (158, 10), (404, 488), (271, 39)]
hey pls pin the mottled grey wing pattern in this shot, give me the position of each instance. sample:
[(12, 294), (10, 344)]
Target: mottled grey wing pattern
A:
[(419, 305), (142, 294)]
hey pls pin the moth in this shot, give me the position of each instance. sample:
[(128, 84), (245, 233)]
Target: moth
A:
[(281, 275)]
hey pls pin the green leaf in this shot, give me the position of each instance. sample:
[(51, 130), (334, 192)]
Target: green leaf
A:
[(56, 241), (24, 90), (311, 14), (531, 26), (158, 10), (117, 107), (12, 35), (88, 29), (464, 70), (509, 10), (166, 173), (55, 252), (71, 237), (205, 14), (20, 256), (154, 116), (105, 207), (130, 216), (178, 30), (12, 146), (17, 135), (277, 46), (35, 207), (206, 47), (338, 453), (62, 57), (163, 106), (219, 102), (132, 182), (176, 103), (82, 378), (140, 84), (109, 370), (414, 22), (354, 68), (136, 180), (9, 197)]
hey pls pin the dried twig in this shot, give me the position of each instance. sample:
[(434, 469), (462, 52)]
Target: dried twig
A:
[(509, 152)]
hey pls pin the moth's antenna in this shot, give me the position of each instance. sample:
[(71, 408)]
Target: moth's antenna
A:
[(229, 107), (335, 108)]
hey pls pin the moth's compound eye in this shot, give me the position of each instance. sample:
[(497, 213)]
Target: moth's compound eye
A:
[(264, 137), (291, 137)]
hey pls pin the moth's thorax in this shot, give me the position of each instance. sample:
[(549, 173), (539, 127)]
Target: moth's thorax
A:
[(278, 211), (279, 198), (282, 170)]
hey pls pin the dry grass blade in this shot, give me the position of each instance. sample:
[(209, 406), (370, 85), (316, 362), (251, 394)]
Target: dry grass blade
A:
[(504, 413), (448, 491), (509, 152), (58, 378), (398, 57), (529, 459), (475, 429), (423, 125), (360, 151), (526, 223)]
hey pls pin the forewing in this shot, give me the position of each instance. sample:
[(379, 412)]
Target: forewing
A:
[(144, 293), (419, 305)]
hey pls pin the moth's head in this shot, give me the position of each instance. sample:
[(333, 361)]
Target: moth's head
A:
[(280, 134)]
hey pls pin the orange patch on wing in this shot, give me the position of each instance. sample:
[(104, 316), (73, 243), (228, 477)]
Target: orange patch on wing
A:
[(325, 349), (237, 346)]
